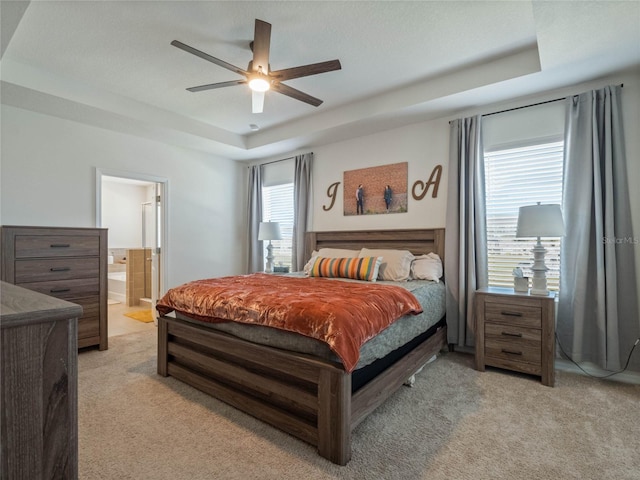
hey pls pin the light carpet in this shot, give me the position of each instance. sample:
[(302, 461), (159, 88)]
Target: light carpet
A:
[(455, 423)]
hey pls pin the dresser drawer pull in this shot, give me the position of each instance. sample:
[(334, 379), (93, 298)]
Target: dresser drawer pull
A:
[(510, 352), (509, 334), (60, 245), (60, 269), (511, 314), (59, 290)]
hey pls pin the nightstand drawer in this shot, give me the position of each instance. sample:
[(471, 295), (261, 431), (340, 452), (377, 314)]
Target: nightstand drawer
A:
[(499, 331), (513, 314), (512, 343)]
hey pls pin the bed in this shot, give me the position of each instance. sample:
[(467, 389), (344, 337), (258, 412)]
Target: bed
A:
[(308, 395)]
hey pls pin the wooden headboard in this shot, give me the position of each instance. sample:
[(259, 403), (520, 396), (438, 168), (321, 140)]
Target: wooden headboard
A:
[(418, 242)]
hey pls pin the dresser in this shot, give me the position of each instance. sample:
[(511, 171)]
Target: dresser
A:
[(39, 397), (515, 331), (67, 263)]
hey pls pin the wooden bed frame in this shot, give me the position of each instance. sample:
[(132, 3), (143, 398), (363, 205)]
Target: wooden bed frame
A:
[(304, 396)]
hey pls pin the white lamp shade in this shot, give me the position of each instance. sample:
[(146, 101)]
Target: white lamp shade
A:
[(269, 231), (540, 221)]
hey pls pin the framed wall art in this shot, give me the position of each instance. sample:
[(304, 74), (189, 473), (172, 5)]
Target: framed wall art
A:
[(376, 190)]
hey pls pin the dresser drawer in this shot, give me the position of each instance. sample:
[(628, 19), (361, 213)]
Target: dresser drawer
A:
[(89, 323), (88, 327), (51, 269), (90, 305), (34, 246), (66, 289), (513, 314)]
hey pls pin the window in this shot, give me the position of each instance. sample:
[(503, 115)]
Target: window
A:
[(514, 177), (277, 206)]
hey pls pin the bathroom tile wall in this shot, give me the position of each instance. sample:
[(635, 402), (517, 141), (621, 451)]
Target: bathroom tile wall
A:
[(138, 270)]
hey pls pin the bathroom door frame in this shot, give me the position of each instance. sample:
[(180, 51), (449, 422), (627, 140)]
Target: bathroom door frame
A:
[(162, 225)]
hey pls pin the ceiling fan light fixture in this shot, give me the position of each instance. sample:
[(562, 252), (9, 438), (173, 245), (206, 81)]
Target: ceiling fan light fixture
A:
[(259, 84)]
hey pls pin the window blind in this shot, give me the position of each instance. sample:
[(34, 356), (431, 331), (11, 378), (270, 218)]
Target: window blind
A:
[(515, 177), (277, 206)]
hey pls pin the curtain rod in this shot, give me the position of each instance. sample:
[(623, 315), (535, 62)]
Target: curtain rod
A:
[(527, 106), (276, 161), (524, 106)]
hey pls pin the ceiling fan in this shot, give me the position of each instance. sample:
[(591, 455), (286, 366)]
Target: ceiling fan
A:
[(258, 74)]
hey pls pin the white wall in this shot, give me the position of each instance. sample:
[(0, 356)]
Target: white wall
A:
[(520, 126), (48, 178), (122, 213), (422, 145)]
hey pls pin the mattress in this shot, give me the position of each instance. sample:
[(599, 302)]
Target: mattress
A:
[(431, 296)]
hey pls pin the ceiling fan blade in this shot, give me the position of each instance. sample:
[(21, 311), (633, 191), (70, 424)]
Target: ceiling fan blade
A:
[(261, 45), (211, 86), (297, 94), (209, 58), (257, 101), (306, 70)]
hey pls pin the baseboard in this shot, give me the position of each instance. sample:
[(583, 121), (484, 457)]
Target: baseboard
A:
[(625, 377), (117, 297)]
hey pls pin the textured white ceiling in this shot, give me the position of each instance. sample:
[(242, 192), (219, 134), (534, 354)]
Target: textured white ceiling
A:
[(113, 64)]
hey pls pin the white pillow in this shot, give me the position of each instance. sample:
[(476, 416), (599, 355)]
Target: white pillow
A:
[(427, 267), (329, 253), (395, 266), (309, 264)]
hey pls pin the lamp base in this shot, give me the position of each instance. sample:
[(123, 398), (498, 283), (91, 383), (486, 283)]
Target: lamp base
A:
[(539, 281), (268, 268), (543, 293)]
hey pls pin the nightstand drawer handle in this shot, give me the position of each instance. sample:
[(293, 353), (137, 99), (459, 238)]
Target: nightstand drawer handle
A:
[(60, 245), (511, 352), (511, 314), (60, 269), (59, 290), (509, 334)]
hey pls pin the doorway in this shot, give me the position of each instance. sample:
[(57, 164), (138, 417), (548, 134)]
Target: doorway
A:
[(133, 207)]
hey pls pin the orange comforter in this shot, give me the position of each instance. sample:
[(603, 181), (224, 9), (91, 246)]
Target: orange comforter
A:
[(344, 315)]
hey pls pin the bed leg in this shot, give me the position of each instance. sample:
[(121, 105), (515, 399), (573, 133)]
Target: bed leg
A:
[(163, 337), (334, 416)]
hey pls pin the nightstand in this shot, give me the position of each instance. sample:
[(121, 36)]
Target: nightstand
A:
[(516, 331)]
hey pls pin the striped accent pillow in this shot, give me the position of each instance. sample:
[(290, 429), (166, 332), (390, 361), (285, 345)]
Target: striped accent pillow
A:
[(362, 268)]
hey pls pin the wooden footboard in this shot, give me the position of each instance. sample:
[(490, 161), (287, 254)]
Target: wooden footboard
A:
[(299, 394)]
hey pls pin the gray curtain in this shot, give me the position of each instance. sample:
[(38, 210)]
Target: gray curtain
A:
[(466, 232), (598, 308), (254, 215), (301, 207)]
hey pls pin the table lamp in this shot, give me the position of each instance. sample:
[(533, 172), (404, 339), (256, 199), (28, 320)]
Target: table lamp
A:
[(540, 221), (269, 231)]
